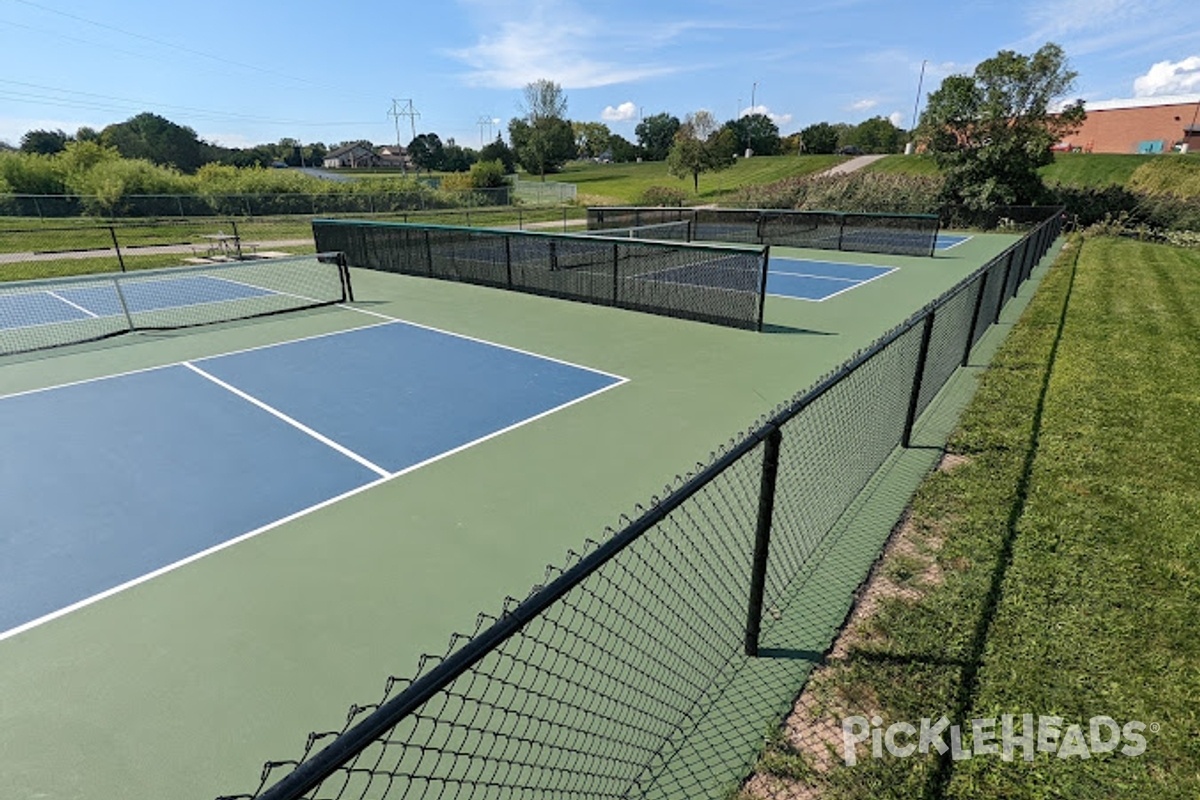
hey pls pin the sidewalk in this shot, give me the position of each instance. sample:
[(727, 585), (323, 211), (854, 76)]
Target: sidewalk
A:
[(853, 165)]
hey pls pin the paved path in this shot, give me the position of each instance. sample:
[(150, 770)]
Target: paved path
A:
[(853, 165)]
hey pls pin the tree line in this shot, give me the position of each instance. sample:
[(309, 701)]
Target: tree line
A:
[(541, 141), (989, 132)]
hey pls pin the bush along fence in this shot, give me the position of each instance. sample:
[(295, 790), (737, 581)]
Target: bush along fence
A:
[(602, 680), (416, 198)]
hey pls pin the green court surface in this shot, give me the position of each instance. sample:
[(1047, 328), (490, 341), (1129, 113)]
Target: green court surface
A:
[(182, 686)]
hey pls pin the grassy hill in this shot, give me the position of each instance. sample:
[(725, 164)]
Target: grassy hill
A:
[(600, 184), (1163, 174)]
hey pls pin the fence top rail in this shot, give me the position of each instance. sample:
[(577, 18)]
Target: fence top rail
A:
[(594, 236), (882, 214)]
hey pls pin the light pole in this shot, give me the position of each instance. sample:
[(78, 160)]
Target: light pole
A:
[(909, 146), (753, 91)]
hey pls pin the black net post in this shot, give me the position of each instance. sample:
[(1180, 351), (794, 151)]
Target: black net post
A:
[(616, 265), (937, 227), (344, 269), (913, 400), (966, 356), (116, 246), (762, 538), (508, 262)]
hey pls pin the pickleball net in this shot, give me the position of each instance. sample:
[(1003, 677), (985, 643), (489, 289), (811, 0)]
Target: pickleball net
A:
[(42, 314)]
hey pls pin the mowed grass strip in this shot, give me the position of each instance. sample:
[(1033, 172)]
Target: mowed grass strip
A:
[(1054, 570)]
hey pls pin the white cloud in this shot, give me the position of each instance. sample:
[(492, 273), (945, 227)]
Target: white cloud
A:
[(896, 118), (865, 104), (622, 113), (1169, 77), (555, 41)]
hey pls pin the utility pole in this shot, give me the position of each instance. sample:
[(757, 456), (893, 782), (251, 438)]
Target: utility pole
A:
[(909, 147)]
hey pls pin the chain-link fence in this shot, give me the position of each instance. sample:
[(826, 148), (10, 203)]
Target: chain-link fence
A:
[(604, 682)]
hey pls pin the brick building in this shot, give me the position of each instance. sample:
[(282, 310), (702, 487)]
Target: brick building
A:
[(1140, 125)]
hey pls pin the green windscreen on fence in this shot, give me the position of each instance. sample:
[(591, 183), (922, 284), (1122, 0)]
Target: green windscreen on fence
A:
[(894, 234), (708, 283)]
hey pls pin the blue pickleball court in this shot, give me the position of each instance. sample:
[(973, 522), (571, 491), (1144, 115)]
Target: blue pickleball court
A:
[(107, 482), (801, 279), (44, 306)]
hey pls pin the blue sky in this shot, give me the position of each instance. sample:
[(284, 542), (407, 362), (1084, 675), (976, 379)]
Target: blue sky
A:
[(246, 72)]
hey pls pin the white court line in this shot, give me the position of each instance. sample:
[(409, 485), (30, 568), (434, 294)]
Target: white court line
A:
[(964, 240), (62, 299), (385, 476), (397, 320), (810, 275), (835, 294), (87, 601), (295, 423), (140, 370)]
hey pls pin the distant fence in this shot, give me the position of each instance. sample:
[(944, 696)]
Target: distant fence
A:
[(538, 192), (896, 234), (250, 205), (48, 250), (721, 284), (592, 686)]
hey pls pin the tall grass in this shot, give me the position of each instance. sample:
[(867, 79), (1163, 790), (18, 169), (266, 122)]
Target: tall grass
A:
[(857, 191)]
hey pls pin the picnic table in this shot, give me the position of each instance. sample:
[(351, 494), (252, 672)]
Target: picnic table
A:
[(227, 245)]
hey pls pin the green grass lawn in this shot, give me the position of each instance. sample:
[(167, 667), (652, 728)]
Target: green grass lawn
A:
[(621, 184), (1093, 169), (1055, 569)]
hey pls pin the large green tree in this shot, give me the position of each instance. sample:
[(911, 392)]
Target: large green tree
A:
[(499, 151), (758, 132), (656, 134), (543, 139), (991, 131), (820, 137), (427, 151), (700, 147), (875, 135), (592, 139), (155, 139), (44, 142)]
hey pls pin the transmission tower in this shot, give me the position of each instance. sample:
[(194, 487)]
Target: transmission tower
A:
[(404, 108)]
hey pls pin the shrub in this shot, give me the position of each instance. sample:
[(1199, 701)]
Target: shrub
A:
[(857, 191)]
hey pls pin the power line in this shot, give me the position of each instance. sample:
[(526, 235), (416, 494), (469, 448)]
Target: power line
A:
[(174, 46), (104, 102)]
